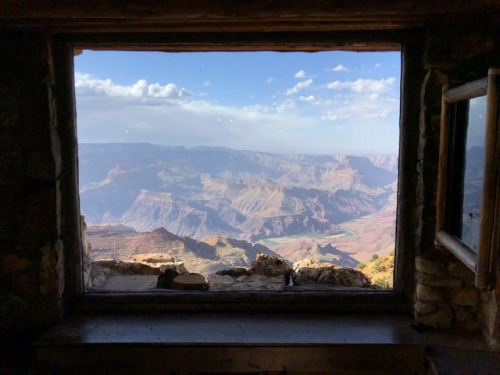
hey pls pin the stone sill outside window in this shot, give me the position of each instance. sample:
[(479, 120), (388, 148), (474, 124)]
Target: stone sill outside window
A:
[(345, 300)]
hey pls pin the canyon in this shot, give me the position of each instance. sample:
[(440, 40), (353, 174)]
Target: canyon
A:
[(215, 208), (217, 191)]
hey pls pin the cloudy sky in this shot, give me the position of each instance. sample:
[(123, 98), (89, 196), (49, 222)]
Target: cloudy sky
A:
[(476, 130), (316, 103)]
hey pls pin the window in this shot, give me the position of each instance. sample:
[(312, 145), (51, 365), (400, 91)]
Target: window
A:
[(209, 158), (379, 300), (468, 175)]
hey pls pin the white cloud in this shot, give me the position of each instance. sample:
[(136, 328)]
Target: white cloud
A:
[(285, 106), (299, 86), (309, 99), (300, 74), (257, 108), (341, 68), (363, 100), (357, 111), (168, 91), (376, 66), (85, 84), (270, 79), (364, 85)]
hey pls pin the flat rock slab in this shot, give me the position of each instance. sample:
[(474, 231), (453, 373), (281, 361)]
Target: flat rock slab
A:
[(132, 283), (219, 283)]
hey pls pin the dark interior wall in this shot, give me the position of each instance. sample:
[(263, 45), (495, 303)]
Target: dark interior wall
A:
[(455, 53), (31, 256)]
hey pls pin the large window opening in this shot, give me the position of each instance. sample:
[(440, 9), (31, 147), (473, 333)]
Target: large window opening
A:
[(192, 164)]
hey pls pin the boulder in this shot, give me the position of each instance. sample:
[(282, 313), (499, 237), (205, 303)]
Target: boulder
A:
[(190, 281), (307, 271), (344, 276), (270, 266), (165, 280)]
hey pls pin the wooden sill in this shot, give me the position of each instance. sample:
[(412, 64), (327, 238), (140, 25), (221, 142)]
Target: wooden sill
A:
[(235, 342)]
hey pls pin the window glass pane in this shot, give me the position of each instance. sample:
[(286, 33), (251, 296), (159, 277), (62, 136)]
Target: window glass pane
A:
[(208, 159), (474, 172)]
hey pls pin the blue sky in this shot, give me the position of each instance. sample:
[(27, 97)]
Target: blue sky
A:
[(316, 103)]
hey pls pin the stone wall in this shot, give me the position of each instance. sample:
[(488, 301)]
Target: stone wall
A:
[(445, 297), (31, 261)]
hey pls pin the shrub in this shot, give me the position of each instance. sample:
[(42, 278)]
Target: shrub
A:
[(383, 282), (361, 265), (379, 267)]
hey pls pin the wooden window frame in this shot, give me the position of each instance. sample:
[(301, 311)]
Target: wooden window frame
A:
[(454, 110), (397, 299)]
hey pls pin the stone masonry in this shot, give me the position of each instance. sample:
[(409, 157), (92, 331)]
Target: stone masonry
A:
[(445, 295), (31, 253)]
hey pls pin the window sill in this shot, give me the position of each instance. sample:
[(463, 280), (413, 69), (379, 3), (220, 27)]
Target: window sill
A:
[(307, 301), (248, 342)]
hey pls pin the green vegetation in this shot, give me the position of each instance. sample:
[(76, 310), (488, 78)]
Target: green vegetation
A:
[(361, 266), (380, 270), (383, 282)]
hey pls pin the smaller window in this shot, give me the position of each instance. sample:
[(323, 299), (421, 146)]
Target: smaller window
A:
[(468, 175)]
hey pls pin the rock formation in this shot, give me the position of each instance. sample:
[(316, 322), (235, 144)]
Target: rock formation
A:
[(308, 272), (270, 266)]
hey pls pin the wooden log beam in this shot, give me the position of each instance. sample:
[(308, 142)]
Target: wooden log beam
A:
[(98, 25), (201, 9), (280, 41), (268, 15)]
